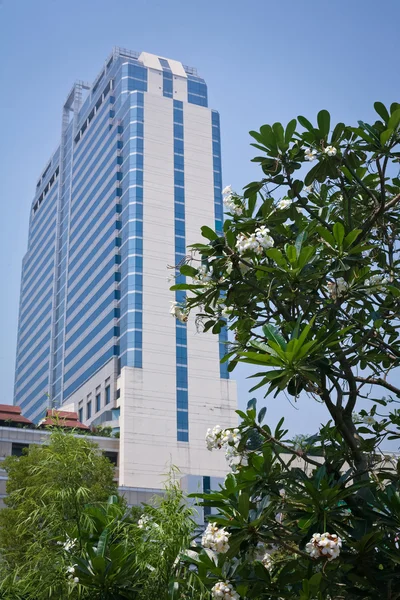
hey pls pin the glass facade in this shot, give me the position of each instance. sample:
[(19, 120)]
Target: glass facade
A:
[(81, 302), (182, 393)]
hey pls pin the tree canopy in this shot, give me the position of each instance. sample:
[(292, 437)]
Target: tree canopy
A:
[(306, 276)]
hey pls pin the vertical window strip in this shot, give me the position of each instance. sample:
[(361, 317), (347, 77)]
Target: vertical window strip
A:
[(131, 346), (182, 401), (218, 216)]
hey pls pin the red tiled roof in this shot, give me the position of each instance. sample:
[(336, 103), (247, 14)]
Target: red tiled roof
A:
[(12, 413), (63, 419)]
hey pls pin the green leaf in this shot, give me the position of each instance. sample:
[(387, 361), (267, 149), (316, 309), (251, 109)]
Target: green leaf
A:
[(394, 119), (324, 122), (313, 174), (188, 270), (326, 235), (385, 136), (338, 233), (299, 241), (252, 404), (208, 233), (102, 543), (277, 256), (272, 333), (382, 111), (279, 135), (185, 286), (261, 414), (337, 132), (267, 136), (290, 129), (351, 237), (244, 504), (305, 256), (305, 123), (291, 253)]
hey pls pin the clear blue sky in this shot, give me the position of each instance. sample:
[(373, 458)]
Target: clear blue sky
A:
[(263, 61)]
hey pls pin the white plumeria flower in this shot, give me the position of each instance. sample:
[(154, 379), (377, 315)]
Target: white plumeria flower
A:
[(203, 274), (177, 312), (331, 151), (263, 237), (267, 561), (76, 579), (234, 206), (224, 591), (233, 457), (378, 281), (69, 544), (284, 203), (230, 436), (227, 191), (213, 437), (368, 420), (71, 570), (216, 538), (324, 545), (310, 154)]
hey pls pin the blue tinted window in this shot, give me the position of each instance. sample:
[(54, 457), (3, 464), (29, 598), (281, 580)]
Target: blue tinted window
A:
[(183, 436), (182, 399), (179, 162), (179, 227), (181, 355), (181, 377), (165, 64), (178, 146), (89, 410), (182, 419), (108, 395), (98, 402), (179, 211), (179, 178), (167, 84), (80, 414), (178, 131)]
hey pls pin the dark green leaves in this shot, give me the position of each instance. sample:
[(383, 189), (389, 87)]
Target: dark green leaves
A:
[(324, 122), (208, 233)]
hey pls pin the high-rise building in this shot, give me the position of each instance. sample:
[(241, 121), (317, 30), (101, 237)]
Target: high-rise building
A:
[(136, 174)]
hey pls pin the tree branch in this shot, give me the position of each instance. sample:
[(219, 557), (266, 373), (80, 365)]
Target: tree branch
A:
[(379, 381)]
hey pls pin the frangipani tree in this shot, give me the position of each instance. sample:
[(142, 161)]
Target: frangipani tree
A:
[(306, 275)]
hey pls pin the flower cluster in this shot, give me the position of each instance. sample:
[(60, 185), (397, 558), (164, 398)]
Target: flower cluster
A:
[(256, 242), (232, 205), (378, 281), (324, 545), (224, 591), (311, 154), (178, 312), (68, 544), (337, 288), (216, 539), (203, 274), (144, 522), (267, 561), (284, 203), (70, 573), (228, 439), (218, 437)]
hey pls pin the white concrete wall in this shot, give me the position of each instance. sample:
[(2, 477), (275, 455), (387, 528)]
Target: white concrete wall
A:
[(148, 429), (88, 390)]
